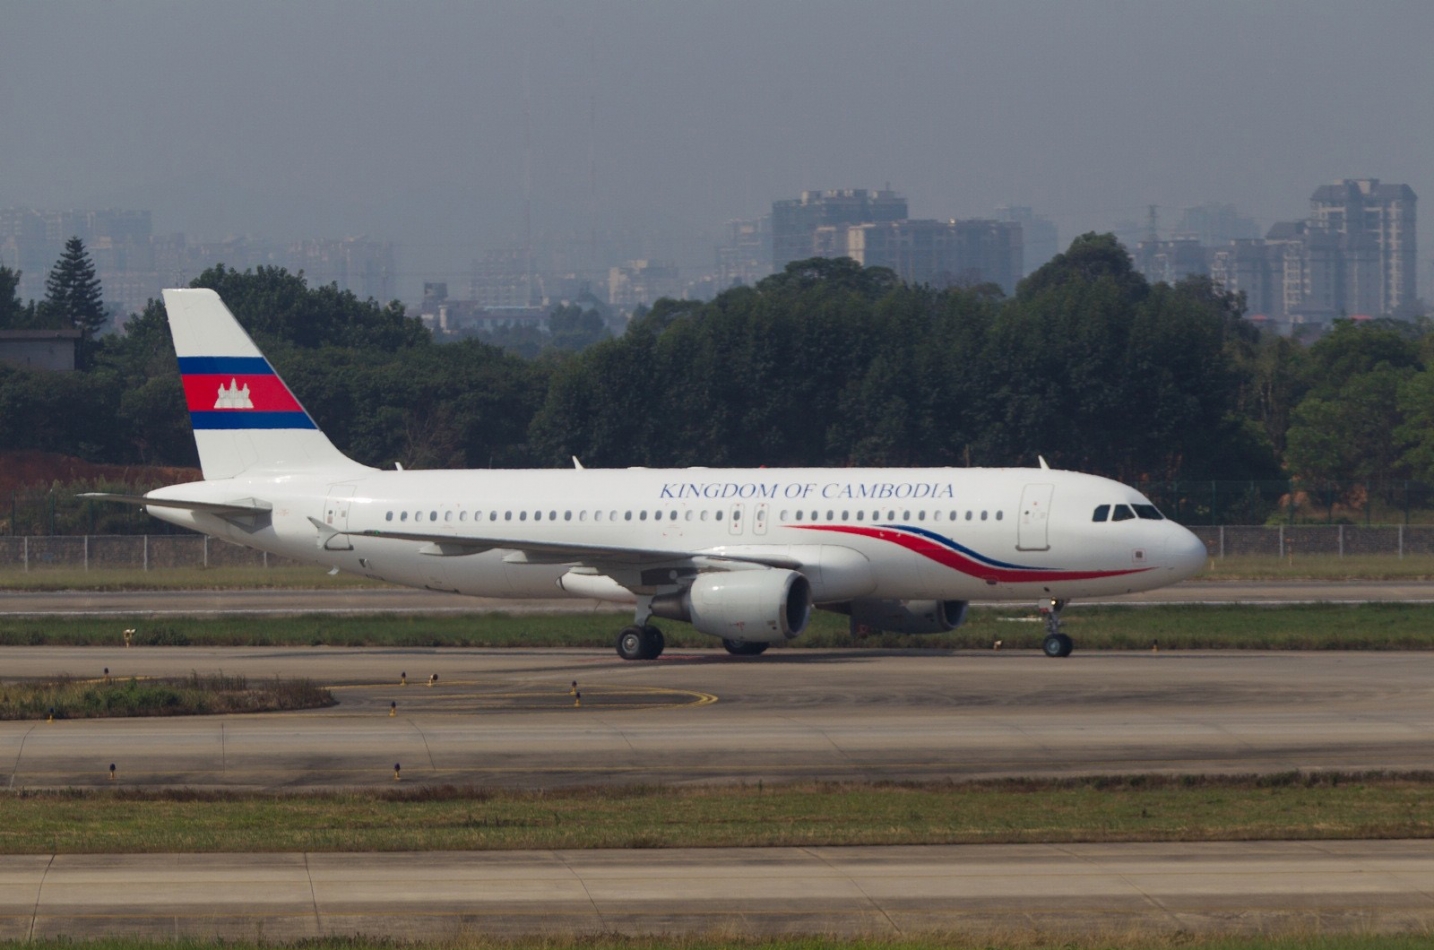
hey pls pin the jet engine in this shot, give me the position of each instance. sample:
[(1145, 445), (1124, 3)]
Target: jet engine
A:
[(761, 606), (907, 616)]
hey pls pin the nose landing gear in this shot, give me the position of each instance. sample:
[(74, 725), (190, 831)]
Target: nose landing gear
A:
[(1056, 644)]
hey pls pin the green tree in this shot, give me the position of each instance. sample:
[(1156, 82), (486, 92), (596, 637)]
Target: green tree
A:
[(74, 298), (12, 312), (1351, 435)]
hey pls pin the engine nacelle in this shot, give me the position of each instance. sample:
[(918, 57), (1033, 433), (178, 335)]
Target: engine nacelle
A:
[(907, 616), (762, 606)]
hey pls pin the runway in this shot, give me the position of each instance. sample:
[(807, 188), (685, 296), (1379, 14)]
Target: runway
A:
[(506, 717), (405, 600), (1254, 887)]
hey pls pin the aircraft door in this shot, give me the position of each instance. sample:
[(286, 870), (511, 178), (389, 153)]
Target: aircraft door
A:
[(734, 520), (336, 516), (759, 519), (1033, 525)]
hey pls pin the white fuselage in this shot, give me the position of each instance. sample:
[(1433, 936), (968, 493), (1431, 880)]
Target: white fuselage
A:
[(954, 534)]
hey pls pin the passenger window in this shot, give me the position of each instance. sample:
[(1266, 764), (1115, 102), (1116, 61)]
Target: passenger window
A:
[(627, 517), (597, 515), (689, 514), (1148, 512), (906, 516), (388, 517), (799, 516), (448, 516), (891, 516), (582, 516), (999, 514), (433, 516), (403, 516), (462, 516), (492, 516), (954, 515), (968, 516), (703, 516), (522, 516), (983, 516), (537, 516), (831, 516), (736, 514), (612, 515), (921, 516), (1102, 512), (507, 516), (567, 516), (717, 515), (846, 516), (1122, 513), (861, 516), (782, 516)]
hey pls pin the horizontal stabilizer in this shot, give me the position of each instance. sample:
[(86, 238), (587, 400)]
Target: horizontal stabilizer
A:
[(242, 506)]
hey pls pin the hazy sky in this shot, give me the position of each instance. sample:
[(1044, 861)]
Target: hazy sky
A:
[(405, 121)]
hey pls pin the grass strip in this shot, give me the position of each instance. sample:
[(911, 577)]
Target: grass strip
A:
[(195, 695), (1132, 808), (1391, 626), (1129, 939)]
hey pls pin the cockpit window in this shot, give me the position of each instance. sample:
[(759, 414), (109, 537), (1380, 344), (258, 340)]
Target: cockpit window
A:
[(1122, 513), (1148, 512), (1102, 512)]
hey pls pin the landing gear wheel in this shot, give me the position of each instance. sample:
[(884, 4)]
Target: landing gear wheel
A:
[(653, 642), (631, 644), (743, 648), (1057, 645)]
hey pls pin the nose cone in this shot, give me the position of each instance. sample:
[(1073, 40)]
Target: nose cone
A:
[(1185, 552)]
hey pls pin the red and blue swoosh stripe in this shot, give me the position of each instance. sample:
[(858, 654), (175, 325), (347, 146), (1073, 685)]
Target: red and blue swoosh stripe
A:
[(273, 406), (958, 557)]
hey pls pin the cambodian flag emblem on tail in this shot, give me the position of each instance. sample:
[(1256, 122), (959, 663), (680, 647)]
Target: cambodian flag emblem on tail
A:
[(239, 392)]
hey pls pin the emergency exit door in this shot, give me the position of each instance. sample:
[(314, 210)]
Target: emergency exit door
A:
[(1033, 525)]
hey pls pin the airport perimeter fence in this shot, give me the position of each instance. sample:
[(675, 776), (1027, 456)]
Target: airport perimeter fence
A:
[(159, 552), (130, 552)]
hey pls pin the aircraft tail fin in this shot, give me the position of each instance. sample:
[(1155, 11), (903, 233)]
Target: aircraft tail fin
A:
[(244, 417)]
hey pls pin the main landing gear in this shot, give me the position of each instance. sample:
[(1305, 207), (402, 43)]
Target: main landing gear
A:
[(1056, 644), (640, 643)]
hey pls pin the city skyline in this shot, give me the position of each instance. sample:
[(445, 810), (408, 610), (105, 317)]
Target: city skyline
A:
[(450, 129)]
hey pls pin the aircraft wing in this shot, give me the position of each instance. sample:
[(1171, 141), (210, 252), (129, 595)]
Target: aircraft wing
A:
[(564, 552)]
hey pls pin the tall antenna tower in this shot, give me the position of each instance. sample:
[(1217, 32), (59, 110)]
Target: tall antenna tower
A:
[(1152, 223), (527, 184)]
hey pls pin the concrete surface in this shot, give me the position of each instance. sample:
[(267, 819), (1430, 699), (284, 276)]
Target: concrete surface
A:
[(1264, 887), (505, 717), (404, 600)]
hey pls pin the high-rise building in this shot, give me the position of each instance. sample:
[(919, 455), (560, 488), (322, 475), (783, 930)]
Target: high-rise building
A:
[(1375, 224), (795, 221), (746, 257), (939, 253), (1215, 223), (1040, 240)]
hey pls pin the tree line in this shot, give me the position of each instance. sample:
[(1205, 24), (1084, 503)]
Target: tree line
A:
[(825, 364)]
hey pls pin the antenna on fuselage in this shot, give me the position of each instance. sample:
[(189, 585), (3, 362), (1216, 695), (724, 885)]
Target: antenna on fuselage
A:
[(576, 464), (1042, 459)]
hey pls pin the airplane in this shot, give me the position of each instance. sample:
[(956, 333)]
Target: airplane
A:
[(743, 555)]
